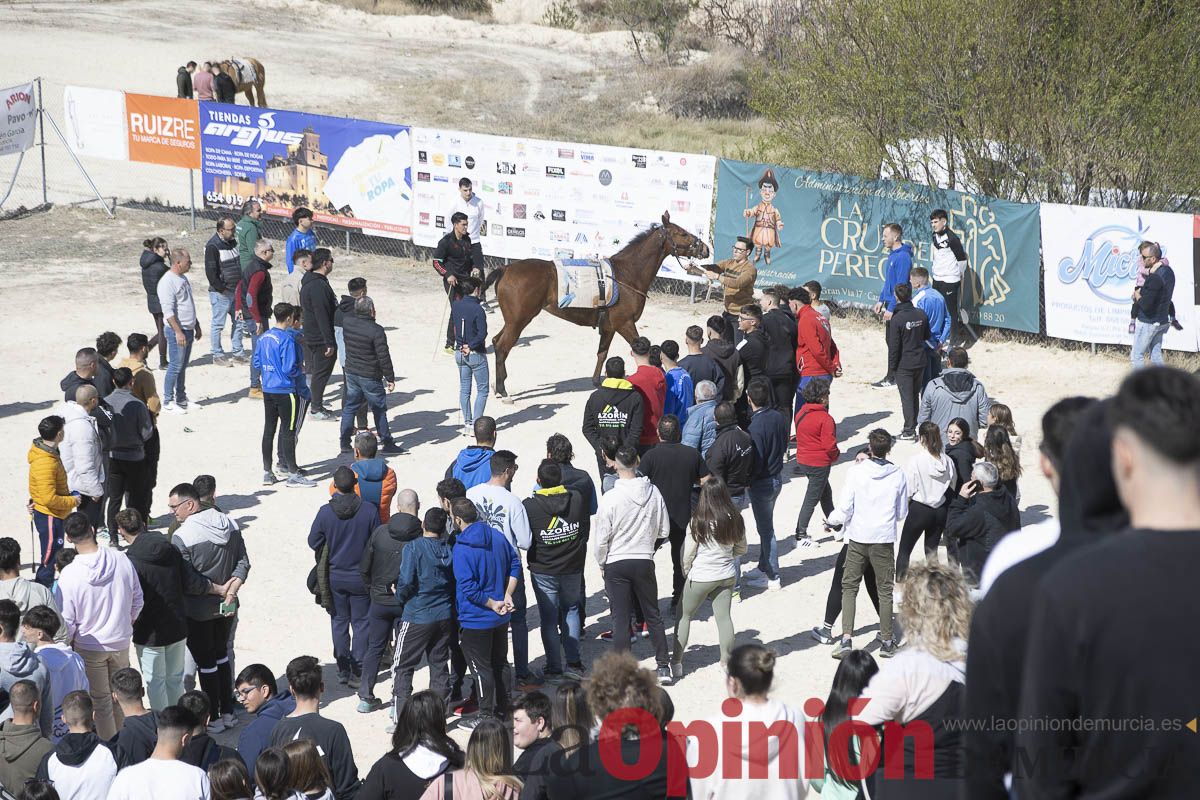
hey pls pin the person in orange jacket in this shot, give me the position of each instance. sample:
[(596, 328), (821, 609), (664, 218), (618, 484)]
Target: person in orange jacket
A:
[(50, 500), (376, 480)]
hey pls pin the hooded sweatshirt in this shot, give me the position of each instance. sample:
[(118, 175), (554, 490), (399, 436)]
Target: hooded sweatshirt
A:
[(616, 409), (82, 767), (132, 425), (929, 478), (426, 584), (631, 520), (758, 780), (1089, 510), (82, 451), (376, 484), (556, 522), (816, 354), (472, 466), (345, 524), (727, 358), (48, 487), (651, 384), (19, 663), (101, 597), (211, 542), (381, 559), (67, 675), (731, 458), (873, 501), (27, 594), (165, 580), (816, 436), (22, 748), (955, 393), (136, 739), (483, 562), (153, 268), (256, 736), (899, 262)]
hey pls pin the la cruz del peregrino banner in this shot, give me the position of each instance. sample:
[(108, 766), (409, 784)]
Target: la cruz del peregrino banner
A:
[(350, 172), (549, 199), (1091, 263), (832, 232)]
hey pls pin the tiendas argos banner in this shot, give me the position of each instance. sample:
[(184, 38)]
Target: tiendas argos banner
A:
[(829, 228), (350, 172)]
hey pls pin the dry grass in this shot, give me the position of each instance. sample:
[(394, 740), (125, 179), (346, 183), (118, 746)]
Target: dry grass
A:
[(715, 85), (477, 10)]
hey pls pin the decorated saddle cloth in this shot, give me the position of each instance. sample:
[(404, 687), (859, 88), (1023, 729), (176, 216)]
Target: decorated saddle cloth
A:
[(245, 71), (585, 283)]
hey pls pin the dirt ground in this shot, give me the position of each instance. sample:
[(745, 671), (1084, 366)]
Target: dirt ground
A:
[(70, 274)]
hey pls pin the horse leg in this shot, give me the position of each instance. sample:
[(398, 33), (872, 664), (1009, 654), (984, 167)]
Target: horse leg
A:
[(606, 337), (262, 95), (249, 92), (502, 344)]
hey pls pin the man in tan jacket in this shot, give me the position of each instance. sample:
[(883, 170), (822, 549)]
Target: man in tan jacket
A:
[(737, 276), (145, 389)]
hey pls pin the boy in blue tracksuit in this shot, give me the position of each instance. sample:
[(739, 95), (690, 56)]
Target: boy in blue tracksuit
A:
[(285, 393), (931, 301), (473, 464), (426, 590), (895, 272), (486, 570), (302, 238)]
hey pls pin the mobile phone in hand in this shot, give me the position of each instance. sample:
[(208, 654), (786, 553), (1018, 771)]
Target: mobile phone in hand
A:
[(228, 609)]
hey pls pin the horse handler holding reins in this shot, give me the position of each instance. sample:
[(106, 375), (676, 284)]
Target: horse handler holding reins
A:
[(453, 261)]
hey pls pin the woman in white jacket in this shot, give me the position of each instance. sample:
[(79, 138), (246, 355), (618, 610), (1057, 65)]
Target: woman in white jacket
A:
[(930, 475), (749, 674)]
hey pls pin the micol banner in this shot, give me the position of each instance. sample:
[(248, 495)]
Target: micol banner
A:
[(1091, 264), (163, 130), (832, 228), (20, 117), (350, 172)]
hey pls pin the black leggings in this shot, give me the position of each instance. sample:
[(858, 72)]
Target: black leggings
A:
[(208, 642), (833, 605), (921, 520), (285, 412), (160, 339)]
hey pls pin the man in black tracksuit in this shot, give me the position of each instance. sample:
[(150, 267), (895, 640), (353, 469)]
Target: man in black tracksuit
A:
[(453, 261), (780, 326), (907, 331), (319, 303), (731, 457), (615, 409)]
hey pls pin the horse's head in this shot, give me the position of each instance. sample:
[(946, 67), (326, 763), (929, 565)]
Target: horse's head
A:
[(680, 243)]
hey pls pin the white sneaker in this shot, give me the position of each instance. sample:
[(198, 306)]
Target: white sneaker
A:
[(774, 583), (755, 577), (173, 408)]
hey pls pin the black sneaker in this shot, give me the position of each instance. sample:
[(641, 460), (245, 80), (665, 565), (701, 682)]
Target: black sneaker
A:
[(392, 449), (843, 647), (1175, 324), (823, 634), (470, 722), (887, 649), (907, 436), (346, 450), (884, 383), (665, 676)]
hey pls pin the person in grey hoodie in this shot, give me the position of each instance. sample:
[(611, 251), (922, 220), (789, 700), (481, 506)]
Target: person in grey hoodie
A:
[(18, 662), (25, 593), (128, 479), (955, 393), (630, 525), (213, 545)]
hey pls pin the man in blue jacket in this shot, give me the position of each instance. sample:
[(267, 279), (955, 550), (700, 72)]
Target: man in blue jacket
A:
[(931, 301), (486, 569), (473, 465), (302, 238), (469, 322), (895, 272), (259, 693), (285, 393)]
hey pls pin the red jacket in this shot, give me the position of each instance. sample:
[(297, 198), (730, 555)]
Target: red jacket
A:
[(652, 386), (816, 436), (816, 354)]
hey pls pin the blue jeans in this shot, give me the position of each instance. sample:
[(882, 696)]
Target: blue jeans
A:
[(740, 501), (177, 363), (763, 493), (1147, 336), (222, 307), (361, 390), (255, 372), (476, 366), (933, 366), (519, 626), (351, 610), (558, 600), (162, 667), (339, 336)]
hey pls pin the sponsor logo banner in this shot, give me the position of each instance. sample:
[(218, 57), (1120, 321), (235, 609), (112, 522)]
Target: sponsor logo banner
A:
[(19, 123)]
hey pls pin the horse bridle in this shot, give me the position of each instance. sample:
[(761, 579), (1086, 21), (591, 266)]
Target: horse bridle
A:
[(673, 252)]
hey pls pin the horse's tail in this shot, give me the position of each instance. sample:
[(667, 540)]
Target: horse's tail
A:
[(495, 277)]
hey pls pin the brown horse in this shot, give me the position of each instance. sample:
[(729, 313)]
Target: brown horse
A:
[(260, 80), (530, 286)]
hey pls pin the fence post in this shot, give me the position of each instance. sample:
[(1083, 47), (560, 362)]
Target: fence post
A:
[(192, 195), (42, 127), (347, 241)]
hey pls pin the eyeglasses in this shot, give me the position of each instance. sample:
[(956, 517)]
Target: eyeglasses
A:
[(181, 503), (243, 693), (737, 249)]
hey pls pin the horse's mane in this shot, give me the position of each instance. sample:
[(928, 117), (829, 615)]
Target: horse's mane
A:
[(643, 236)]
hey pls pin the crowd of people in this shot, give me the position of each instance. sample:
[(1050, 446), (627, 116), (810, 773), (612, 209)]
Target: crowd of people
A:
[(1009, 627)]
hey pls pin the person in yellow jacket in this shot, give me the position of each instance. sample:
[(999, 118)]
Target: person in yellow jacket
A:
[(49, 498), (145, 389)]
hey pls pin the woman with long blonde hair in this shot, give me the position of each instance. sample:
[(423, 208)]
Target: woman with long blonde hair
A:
[(487, 774), (925, 681)]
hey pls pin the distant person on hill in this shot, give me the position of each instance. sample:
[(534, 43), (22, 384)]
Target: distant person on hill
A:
[(183, 81)]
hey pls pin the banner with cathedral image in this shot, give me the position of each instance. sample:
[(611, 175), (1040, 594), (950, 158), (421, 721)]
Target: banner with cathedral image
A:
[(825, 227), (351, 173)]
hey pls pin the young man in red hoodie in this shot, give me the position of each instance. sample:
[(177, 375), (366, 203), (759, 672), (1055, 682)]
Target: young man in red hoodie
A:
[(651, 384), (816, 354)]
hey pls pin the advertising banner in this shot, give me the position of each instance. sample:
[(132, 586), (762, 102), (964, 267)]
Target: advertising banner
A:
[(1091, 265), (163, 130), (831, 231), (352, 173), (20, 119), (550, 200), (95, 122)]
